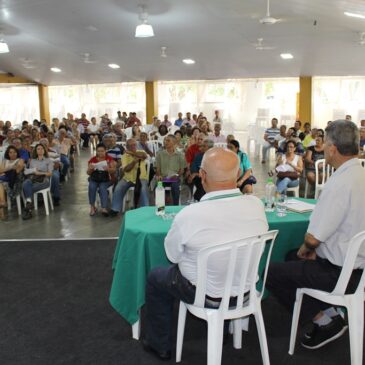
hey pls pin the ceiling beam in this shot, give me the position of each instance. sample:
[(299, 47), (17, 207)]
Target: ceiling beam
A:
[(11, 79)]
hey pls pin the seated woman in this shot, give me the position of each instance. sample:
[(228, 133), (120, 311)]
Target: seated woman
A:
[(136, 132), (291, 135), (40, 168), (179, 141), (93, 130), (313, 154), (161, 134), (100, 168), (10, 168), (246, 179), (291, 162)]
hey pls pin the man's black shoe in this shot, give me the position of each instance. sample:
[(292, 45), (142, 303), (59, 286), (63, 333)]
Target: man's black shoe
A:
[(113, 213), (163, 355), (56, 202), (27, 214), (322, 335)]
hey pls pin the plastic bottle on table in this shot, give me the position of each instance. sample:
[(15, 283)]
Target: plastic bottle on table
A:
[(160, 199), (270, 190)]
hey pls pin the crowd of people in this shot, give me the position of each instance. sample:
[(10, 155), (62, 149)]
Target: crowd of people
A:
[(297, 150), (129, 154)]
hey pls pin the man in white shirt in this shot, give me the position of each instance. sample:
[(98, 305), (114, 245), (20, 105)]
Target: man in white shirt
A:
[(216, 136), (218, 218), (337, 217), (217, 118)]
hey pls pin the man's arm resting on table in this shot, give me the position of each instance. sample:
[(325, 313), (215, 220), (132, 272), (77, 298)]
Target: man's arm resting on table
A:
[(307, 250)]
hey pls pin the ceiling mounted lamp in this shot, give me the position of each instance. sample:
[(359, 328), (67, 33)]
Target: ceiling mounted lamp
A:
[(144, 30), (3, 46)]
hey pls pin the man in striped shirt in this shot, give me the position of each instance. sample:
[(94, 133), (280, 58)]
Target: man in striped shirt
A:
[(269, 137)]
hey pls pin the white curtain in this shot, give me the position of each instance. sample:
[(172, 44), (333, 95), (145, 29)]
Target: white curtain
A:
[(240, 102), (98, 99), (334, 97), (18, 103)]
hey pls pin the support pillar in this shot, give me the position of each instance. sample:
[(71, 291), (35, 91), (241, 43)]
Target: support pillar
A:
[(151, 100), (305, 99), (44, 103)]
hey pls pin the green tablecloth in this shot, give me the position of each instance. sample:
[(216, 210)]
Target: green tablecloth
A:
[(141, 247)]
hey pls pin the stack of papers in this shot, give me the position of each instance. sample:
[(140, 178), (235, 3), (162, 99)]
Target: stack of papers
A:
[(299, 206), (100, 166)]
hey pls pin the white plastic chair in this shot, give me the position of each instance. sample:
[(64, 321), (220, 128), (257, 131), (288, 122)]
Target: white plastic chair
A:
[(129, 195), (46, 193), (240, 262), (154, 146), (18, 203), (220, 144), (294, 190), (354, 303), (326, 170)]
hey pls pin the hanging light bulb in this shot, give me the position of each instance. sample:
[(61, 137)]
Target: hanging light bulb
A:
[(144, 30)]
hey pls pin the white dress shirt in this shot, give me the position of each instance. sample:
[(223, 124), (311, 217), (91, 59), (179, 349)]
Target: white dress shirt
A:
[(339, 213), (211, 222)]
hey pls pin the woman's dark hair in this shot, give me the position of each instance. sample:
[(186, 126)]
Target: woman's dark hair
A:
[(292, 142), (35, 155), (178, 132), (294, 131), (235, 143), (192, 131), (6, 154), (320, 132), (162, 126), (102, 145)]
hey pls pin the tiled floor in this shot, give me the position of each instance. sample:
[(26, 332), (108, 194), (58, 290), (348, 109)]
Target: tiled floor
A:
[(71, 219)]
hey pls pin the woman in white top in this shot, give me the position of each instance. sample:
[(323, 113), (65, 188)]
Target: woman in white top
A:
[(94, 130), (293, 163)]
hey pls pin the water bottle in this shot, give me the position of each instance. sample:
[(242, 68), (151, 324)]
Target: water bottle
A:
[(270, 189), (160, 199)]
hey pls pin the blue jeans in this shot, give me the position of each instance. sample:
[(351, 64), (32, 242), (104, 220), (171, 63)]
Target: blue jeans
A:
[(283, 184), (65, 164), (175, 191), (30, 188), (103, 192), (55, 184), (122, 188)]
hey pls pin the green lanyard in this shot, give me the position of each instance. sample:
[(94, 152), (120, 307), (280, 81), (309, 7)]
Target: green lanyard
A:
[(223, 196)]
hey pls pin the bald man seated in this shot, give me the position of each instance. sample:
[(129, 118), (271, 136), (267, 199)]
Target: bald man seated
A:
[(218, 218)]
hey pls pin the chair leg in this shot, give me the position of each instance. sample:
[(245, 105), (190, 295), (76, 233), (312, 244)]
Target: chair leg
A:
[(180, 331), (355, 312), (262, 335), (45, 200), (215, 338), (19, 205), (35, 201), (136, 330), (50, 200), (237, 333), (295, 321)]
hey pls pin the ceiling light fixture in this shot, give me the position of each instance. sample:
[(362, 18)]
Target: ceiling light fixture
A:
[(3, 46), (354, 15), (144, 30), (188, 61), (55, 69), (286, 56), (113, 66), (163, 52)]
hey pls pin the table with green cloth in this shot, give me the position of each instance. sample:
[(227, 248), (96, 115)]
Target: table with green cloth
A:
[(140, 248)]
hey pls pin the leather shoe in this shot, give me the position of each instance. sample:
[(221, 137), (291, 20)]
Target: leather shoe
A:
[(163, 355)]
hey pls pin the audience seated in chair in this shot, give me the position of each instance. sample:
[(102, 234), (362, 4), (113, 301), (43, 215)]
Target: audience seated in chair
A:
[(132, 161), (313, 154), (269, 137), (337, 217), (170, 166)]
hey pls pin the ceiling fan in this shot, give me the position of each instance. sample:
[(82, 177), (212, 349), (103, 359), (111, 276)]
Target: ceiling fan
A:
[(268, 19), (27, 63), (86, 58), (260, 46)]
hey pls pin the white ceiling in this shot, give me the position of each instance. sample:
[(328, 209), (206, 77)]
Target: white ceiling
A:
[(218, 34)]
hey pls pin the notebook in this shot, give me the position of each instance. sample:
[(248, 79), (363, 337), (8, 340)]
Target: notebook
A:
[(299, 206)]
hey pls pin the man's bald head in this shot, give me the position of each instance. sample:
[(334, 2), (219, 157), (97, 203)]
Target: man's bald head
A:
[(220, 169)]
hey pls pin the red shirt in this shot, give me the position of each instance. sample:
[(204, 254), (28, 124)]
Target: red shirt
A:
[(191, 152), (108, 159)]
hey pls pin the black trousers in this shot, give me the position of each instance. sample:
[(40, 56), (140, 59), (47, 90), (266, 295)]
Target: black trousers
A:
[(199, 188), (85, 137), (284, 278)]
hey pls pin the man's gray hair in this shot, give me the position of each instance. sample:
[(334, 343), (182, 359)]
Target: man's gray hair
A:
[(209, 143), (345, 136)]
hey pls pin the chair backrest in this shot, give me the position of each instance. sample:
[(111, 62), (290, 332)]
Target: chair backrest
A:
[(354, 246), (220, 144), (128, 132), (155, 146), (239, 262), (324, 169)]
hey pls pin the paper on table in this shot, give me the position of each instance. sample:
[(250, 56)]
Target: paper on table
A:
[(100, 165), (299, 206)]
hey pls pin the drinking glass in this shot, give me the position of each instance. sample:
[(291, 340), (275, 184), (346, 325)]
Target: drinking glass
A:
[(281, 205)]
